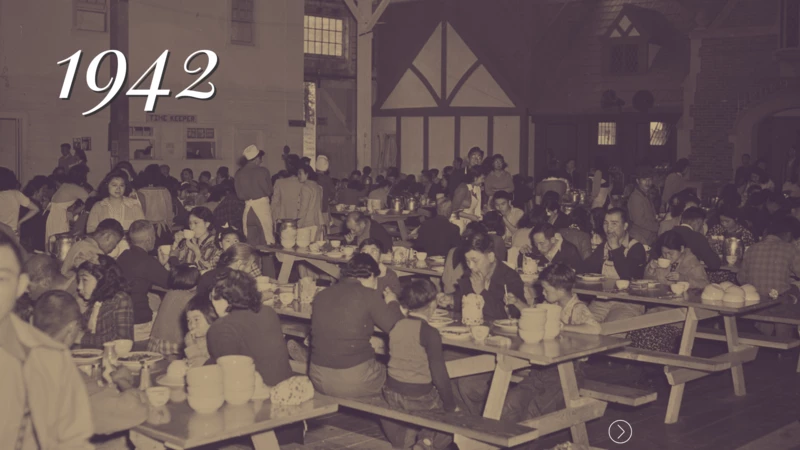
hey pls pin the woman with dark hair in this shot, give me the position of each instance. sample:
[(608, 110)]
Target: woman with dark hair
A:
[(342, 323), (454, 266), (500, 286), (498, 179), (115, 203), (200, 249), (676, 181), (496, 226), (552, 204), (729, 227), (601, 184), (11, 200), (684, 266), (467, 198), (109, 313), (387, 278), (237, 256), (167, 334), (310, 214), (246, 327), (286, 198)]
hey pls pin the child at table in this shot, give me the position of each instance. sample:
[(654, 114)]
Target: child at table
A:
[(199, 316), (558, 281), (417, 378)]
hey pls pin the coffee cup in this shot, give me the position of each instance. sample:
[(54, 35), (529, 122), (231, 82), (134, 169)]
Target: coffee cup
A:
[(479, 332), (664, 263), (336, 244), (188, 234), (622, 284), (421, 256), (164, 249), (348, 251)]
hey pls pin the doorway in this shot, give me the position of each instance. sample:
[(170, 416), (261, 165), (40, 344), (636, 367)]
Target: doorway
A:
[(11, 144)]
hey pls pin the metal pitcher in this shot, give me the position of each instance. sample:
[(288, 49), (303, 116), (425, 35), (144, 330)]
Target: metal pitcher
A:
[(397, 205), (412, 204), (59, 245), (733, 247)]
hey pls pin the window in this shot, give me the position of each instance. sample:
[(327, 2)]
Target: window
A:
[(607, 133), (659, 133), (323, 36), (624, 59), (627, 47), (200, 143), (91, 15), (242, 22), (141, 142), (790, 23)]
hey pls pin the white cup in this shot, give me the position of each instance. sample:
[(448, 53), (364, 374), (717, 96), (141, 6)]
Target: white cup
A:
[(421, 256), (188, 234), (664, 263)]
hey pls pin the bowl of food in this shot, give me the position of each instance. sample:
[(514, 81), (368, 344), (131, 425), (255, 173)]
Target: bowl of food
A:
[(457, 333), (591, 277), (86, 356), (622, 284), (507, 325), (439, 322), (133, 360), (158, 396)]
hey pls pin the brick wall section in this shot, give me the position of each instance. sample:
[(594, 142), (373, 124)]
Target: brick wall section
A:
[(730, 67)]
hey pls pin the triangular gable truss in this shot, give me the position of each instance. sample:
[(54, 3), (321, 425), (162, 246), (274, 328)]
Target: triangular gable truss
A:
[(453, 74), (629, 24)]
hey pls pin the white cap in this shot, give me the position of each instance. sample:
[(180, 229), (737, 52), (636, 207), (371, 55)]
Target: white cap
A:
[(322, 163), (251, 152)]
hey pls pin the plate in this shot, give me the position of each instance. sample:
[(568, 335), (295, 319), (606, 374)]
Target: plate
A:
[(86, 356), (507, 325), (455, 333), (592, 277), (133, 360), (164, 381), (439, 322)]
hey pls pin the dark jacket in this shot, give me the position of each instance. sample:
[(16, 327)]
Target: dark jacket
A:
[(630, 267), (699, 245), (503, 278), (437, 236)]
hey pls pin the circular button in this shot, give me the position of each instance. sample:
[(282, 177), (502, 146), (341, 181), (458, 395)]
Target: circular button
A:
[(620, 431)]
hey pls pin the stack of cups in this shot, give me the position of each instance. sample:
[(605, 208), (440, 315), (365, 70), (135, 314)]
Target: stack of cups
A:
[(552, 327), (205, 389), (532, 324), (238, 378)]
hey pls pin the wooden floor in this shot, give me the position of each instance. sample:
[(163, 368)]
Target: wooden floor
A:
[(712, 417)]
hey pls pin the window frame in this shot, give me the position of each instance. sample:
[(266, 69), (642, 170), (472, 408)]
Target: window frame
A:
[(153, 138), (79, 5), (233, 21), (343, 32), (187, 140), (600, 136), (667, 130), (640, 40)]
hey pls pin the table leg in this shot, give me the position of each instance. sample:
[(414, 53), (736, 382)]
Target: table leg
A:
[(737, 371), (401, 226), (330, 269), (265, 441), (687, 343), (286, 268), (569, 386), (498, 389)]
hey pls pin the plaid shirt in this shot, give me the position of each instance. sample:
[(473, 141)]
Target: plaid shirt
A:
[(209, 254), (769, 265), (229, 211), (115, 321)]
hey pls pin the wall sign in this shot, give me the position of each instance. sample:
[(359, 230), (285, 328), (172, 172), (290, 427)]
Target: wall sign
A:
[(171, 118)]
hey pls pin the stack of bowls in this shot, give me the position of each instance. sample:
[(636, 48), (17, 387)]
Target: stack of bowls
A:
[(204, 385), (238, 378), (532, 324), (552, 327)]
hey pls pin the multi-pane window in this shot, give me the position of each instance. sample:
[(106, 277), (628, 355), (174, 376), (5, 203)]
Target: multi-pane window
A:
[(790, 23), (91, 15), (242, 22), (141, 142), (201, 143), (607, 133), (323, 36), (659, 133), (624, 58)]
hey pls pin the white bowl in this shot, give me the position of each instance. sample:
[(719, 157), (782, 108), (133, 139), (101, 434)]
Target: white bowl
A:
[(239, 397), (205, 375), (234, 361), (479, 332), (679, 288), (531, 337), (205, 405), (158, 396), (336, 244), (123, 346), (622, 284)]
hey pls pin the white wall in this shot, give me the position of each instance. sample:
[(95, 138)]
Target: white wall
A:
[(259, 87)]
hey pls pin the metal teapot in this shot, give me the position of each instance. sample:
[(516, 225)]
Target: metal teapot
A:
[(397, 205), (60, 244), (412, 204)]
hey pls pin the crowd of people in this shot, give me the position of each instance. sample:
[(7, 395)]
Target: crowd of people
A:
[(198, 240)]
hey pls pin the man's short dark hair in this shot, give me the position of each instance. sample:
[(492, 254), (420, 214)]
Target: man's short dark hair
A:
[(782, 226), (183, 277), (692, 214), (54, 310), (546, 228), (417, 294), (503, 195), (112, 226), (623, 214), (560, 276)]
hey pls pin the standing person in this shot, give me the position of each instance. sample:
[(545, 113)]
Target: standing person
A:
[(11, 199), (571, 174), (73, 190), (286, 196), (644, 224), (310, 213), (254, 186), (44, 398), (328, 187), (676, 182), (67, 159), (743, 172), (499, 179), (460, 172)]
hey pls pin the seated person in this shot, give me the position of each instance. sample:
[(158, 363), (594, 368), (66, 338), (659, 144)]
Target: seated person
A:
[(500, 286), (114, 408), (200, 315), (388, 278), (691, 230), (44, 273), (362, 227), (551, 248), (493, 222), (436, 236), (511, 215), (579, 232), (102, 241), (417, 377), (620, 258), (109, 314), (552, 205), (539, 392), (684, 266)]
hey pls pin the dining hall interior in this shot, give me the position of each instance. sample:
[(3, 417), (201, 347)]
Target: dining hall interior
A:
[(400, 224)]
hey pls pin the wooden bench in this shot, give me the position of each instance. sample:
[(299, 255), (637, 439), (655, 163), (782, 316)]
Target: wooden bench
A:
[(489, 431), (614, 393), (757, 340)]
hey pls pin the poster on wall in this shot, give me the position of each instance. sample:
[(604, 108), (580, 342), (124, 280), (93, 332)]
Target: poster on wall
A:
[(82, 143)]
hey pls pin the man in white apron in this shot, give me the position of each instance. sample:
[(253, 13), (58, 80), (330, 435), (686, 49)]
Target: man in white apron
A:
[(254, 186), (619, 258)]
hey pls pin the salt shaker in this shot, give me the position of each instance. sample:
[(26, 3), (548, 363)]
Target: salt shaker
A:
[(144, 377)]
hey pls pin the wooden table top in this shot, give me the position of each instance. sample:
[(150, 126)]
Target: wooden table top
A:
[(185, 428), (430, 271), (662, 295), (566, 347), (388, 217)]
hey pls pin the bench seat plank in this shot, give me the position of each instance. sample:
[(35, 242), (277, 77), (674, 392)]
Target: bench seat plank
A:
[(670, 359), (757, 340), (490, 431), (789, 317), (614, 393)]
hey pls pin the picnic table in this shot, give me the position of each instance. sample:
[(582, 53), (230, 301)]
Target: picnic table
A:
[(687, 309), (330, 265), (503, 361), (183, 428), (391, 217)]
